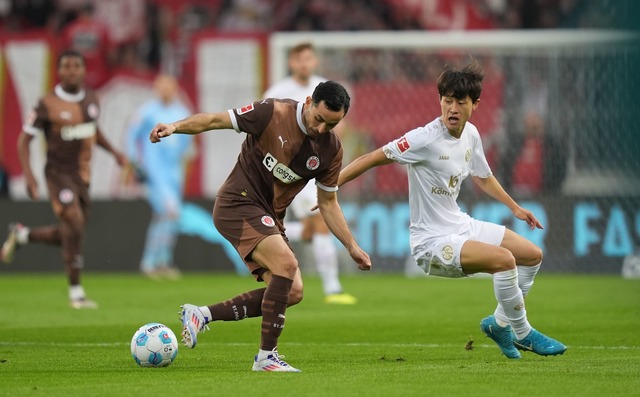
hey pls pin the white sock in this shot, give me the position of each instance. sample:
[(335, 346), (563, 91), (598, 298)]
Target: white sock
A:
[(262, 354), (526, 274), (510, 299), (326, 256), (206, 313), (22, 235), (294, 230), (76, 292)]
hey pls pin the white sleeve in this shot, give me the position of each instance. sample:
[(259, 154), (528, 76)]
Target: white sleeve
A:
[(410, 148), (478, 166)]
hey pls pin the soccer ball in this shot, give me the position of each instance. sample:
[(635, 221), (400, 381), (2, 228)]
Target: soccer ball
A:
[(154, 345)]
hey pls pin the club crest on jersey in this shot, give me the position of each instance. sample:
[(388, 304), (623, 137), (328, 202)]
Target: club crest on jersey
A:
[(313, 163), (245, 109), (267, 221), (403, 145), (65, 196)]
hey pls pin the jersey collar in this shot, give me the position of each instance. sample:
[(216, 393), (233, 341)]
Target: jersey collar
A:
[(299, 118), (67, 96)]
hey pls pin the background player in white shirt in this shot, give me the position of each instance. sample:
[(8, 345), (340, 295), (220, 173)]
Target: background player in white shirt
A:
[(310, 225), (446, 241)]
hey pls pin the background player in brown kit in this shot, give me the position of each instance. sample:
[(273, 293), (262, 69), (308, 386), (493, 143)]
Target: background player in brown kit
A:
[(68, 118), (287, 144)]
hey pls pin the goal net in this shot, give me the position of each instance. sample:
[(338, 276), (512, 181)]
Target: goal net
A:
[(556, 119)]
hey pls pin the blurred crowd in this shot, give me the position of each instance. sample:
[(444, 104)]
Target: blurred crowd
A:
[(150, 35)]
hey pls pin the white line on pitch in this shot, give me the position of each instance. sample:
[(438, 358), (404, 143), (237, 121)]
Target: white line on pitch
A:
[(354, 344)]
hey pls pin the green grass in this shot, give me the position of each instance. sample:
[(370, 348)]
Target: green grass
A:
[(406, 337)]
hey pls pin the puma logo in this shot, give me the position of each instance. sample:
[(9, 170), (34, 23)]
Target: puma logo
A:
[(282, 141)]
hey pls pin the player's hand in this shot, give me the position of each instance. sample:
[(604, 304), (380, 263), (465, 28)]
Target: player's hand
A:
[(160, 131), (360, 257), (32, 188), (527, 216)]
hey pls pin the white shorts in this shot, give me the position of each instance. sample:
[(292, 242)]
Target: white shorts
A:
[(442, 254), (307, 198)]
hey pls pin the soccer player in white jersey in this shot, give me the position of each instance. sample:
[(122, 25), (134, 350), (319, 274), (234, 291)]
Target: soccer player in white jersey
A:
[(310, 225), (446, 241)]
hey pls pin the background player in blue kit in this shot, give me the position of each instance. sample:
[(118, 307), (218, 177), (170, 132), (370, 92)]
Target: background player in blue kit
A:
[(161, 168)]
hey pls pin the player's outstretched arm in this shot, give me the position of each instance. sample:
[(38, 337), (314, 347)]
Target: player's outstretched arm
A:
[(192, 125), (362, 164), (24, 153), (334, 218), (493, 188)]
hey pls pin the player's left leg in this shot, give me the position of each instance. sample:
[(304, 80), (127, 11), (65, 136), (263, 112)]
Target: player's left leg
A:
[(528, 258)]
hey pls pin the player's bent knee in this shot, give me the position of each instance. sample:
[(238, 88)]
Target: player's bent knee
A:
[(538, 256), (505, 261), (295, 295), (534, 257)]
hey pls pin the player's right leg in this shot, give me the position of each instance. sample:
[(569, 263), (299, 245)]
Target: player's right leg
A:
[(325, 254)]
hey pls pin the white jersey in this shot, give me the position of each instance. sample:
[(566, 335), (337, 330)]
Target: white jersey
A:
[(289, 88), (437, 163)]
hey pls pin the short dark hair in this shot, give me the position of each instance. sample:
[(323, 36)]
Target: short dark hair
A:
[(69, 53), (460, 83), (305, 45), (334, 95)]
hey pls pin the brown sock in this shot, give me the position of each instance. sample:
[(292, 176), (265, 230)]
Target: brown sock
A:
[(246, 305), (46, 234), (274, 304)]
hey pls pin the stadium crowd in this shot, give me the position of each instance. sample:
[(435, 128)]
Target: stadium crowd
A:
[(144, 37), (148, 35)]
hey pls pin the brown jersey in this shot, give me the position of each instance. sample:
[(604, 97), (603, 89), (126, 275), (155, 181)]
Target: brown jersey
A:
[(69, 124), (278, 158)]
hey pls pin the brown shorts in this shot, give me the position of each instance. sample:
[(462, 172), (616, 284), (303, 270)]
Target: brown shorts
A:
[(244, 224), (67, 190)]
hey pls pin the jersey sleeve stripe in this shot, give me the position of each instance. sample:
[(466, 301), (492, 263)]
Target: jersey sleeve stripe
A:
[(234, 121), (326, 188)]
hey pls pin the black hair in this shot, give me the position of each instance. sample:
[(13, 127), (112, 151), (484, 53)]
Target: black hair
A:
[(460, 83), (69, 53), (334, 95)]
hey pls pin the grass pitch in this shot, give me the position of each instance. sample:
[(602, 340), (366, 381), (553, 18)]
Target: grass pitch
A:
[(405, 337)]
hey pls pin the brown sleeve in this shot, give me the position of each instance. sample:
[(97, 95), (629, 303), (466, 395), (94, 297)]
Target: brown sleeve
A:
[(254, 118), (330, 177)]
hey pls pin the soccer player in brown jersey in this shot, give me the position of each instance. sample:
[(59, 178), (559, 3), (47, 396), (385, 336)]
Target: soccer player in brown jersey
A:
[(68, 119), (287, 144)]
